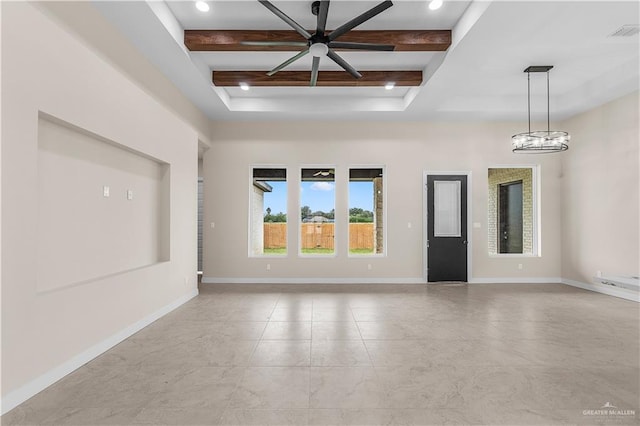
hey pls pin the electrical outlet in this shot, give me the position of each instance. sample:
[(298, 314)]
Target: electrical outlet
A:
[(369, 267), (268, 266), (213, 225), (520, 266)]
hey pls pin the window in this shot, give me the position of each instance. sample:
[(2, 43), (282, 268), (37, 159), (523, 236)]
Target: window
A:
[(512, 211), (317, 211), (268, 234), (366, 211)]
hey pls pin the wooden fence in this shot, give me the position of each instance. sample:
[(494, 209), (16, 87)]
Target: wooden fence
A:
[(319, 235)]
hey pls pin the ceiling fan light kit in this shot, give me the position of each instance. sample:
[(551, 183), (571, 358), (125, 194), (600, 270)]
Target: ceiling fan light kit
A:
[(539, 141)]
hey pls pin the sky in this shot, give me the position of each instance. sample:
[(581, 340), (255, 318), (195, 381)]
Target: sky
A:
[(319, 196)]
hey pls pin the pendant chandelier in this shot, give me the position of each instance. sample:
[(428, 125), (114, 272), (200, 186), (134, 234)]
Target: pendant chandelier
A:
[(539, 141)]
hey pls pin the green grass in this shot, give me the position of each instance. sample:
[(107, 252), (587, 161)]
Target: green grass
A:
[(282, 250), (317, 250), (279, 250), (361, 251)]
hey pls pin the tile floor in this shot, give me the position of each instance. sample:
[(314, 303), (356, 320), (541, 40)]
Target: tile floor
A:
[(363, 355)]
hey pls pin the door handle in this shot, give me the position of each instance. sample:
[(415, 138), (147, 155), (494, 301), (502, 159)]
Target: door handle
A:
[(465, 242)]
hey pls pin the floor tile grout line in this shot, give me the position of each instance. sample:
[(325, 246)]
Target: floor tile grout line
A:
[(363, 341), (248, 364)]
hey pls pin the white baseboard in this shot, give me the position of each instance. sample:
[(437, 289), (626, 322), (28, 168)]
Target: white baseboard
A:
[(18, 396), (216, 280), (261, 280), (605, 289), (516, 280)]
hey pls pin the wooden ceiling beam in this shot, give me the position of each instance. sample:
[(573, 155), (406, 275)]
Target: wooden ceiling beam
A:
[(325, 78), (230, 40)]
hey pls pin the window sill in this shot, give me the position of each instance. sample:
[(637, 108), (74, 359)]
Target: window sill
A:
[(513, 255)]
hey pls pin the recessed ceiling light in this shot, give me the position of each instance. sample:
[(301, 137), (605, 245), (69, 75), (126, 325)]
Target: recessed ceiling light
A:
[(435, 4), (390, 85), (202, 6), (244, 86)]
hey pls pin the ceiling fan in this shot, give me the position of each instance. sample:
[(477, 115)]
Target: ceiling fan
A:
[(320, 44)]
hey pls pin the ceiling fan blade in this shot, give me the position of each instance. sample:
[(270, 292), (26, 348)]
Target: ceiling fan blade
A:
[(280, 14), (360, 19), (344, 64), (322, 16), (274, 43), (287, 62), (362, 46), (314, 71)]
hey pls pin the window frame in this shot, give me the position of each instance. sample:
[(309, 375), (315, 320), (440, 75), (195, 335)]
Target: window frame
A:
[(385, 184), (250, 252), (335, 201), (536, 221)]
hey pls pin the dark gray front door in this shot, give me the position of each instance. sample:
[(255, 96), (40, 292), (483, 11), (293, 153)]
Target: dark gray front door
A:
[(446, 228)]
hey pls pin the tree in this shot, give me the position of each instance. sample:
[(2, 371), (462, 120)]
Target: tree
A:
[(358, 215), (305, 211), (280, 218), (267, 216)]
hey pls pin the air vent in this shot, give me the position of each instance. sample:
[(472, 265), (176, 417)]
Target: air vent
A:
[(626, 31)]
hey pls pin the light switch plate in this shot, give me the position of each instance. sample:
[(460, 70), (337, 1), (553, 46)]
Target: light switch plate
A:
[(129, 194), (105, 191)]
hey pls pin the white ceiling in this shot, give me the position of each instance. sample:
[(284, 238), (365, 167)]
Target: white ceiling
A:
[(479, 77)]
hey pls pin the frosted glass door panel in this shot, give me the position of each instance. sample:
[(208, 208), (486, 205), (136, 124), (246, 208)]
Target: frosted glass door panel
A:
[(446, 208)]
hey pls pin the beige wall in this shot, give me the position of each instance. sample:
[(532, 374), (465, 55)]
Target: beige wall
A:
[(47, 70), (406, 149), (83, 20), (600, 186), (256, 243)]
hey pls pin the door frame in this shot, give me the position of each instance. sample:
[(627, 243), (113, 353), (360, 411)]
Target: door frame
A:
[(425, 221)]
